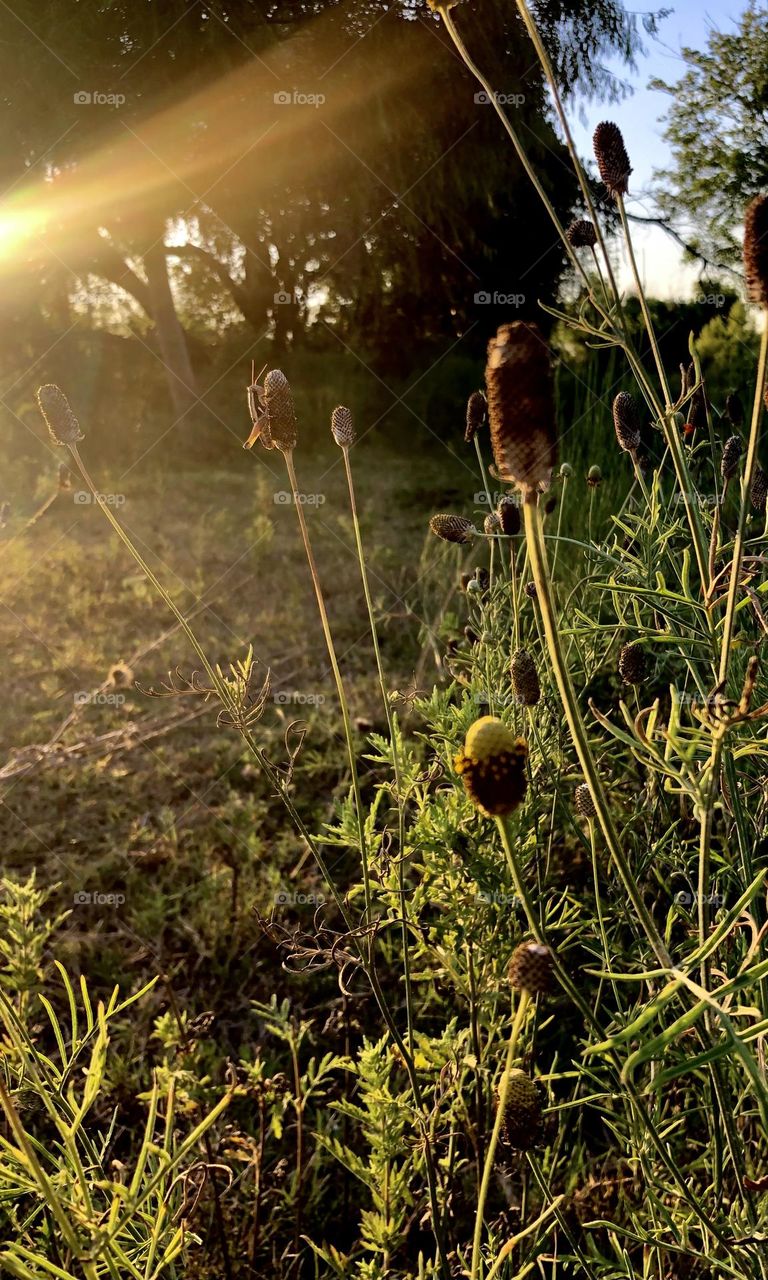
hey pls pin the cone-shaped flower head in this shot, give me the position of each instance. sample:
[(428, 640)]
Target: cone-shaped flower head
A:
[(342, 427), (452, 528), (612, 158), (281, 414), (530, 968), (61, 422), (521, 412), (492, 767)]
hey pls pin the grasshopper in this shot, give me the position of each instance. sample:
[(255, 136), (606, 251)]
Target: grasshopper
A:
[(258, 410)]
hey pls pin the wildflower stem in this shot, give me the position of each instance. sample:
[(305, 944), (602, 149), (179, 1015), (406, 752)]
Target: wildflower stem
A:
[(746, 485), (490, 1155), (394, 741), (337, 677), (538, 558)]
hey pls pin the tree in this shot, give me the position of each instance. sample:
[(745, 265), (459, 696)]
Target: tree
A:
[(717, 127)]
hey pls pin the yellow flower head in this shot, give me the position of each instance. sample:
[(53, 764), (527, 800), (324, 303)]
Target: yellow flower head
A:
[(492, 767)]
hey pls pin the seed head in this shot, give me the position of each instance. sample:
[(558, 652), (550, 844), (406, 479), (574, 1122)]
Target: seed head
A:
[(508, 512), (61, 422), (530, 968), (581, 234), (594, 477), (342, 427), (756, 250), (522, 1118), (566, 471), (281, 414), (729, 463), (453, 528), (521, 412), (477, 408), (632, 665), (530, 590), (626, 421), (759, 490), (492, 524), (492, 767), (734, 409), (583, 802), (612, 158), (525, 679)]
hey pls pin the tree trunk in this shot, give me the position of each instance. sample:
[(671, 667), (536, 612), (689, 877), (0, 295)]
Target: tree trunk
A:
[(171, 338)]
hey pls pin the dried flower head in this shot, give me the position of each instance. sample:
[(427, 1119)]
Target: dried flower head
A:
[(530, 590), (612, 158), (342, 427), (61, 422), (525, 679), (121, 675), (756, 250), (759, 490), (530, 968), (477, 409), (281, 415), (492, 767), (521, 412), (632, 664), (594, 477), (583, 802), (508, 512), (492, 524), (626, 421), (581, 234), (522, 1118), (452, 528), (729, 463)]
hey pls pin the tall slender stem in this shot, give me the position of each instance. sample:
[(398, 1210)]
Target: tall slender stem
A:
[(746, 486), (490, 1155), (538, 558), (394, 740), (337, 678)]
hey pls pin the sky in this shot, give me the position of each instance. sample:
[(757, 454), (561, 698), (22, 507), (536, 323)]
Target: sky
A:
[(640, 118)]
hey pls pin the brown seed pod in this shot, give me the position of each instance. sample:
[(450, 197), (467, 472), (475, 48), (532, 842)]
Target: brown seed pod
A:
[(756, 250), (729, 463), (477, 409), (530, 968), (281, 414), (342, 427), (581, 234), (452, 528), (632, 664), (525, 679), (521, 412), (492, 767), (508, 512), (492, 524), (522, 1117), (759, 490), (530, 590), (626, 421), (583, 802), (612, 158), (61, 422)]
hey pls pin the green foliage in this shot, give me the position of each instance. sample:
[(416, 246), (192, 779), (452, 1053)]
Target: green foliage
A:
[(716, 128)]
